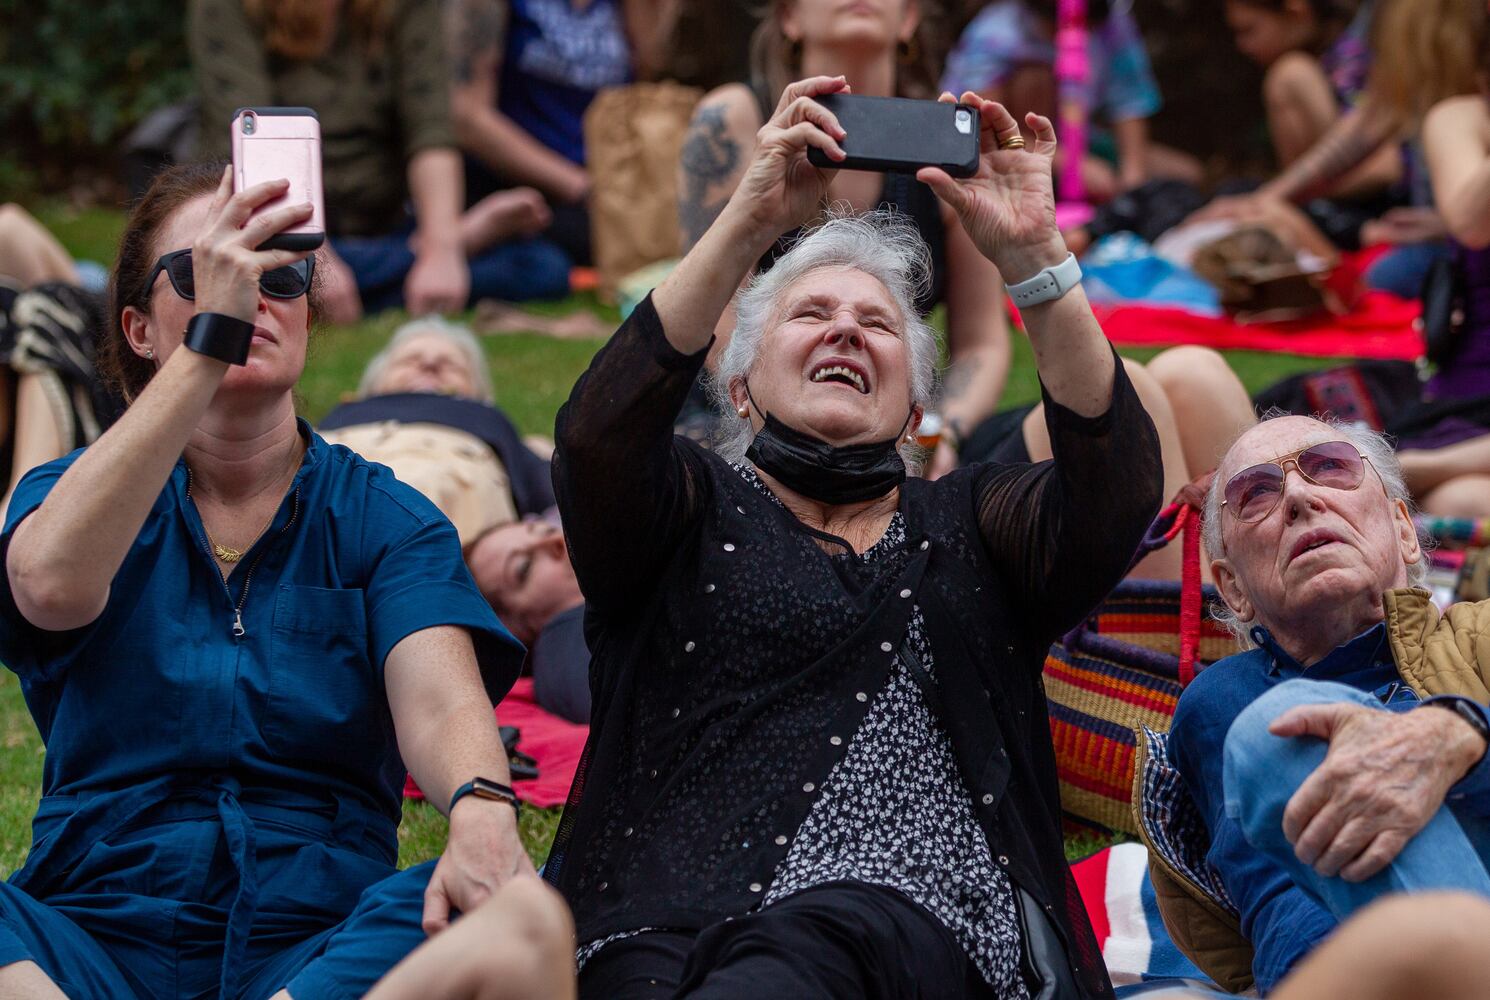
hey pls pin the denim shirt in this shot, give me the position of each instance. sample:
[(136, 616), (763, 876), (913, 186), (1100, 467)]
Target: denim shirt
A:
[(1283, 922)]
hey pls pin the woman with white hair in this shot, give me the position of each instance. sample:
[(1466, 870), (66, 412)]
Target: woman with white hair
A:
[(425, 410), (819, 761)]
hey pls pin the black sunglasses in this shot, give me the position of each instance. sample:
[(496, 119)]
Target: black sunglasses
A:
[(288, 282)]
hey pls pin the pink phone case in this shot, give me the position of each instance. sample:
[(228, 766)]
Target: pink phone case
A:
[(282, 144)]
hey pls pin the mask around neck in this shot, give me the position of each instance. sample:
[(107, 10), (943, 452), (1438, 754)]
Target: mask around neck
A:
[(827, 473)]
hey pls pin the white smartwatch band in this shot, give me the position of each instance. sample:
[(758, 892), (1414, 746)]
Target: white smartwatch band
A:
[(1049, 285)]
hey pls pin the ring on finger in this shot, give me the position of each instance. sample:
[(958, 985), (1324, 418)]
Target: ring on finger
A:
[(1015, 141)]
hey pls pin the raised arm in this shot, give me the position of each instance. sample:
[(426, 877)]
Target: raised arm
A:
[(623, 485), (62, 558), (1456, 137), (1061, 533)]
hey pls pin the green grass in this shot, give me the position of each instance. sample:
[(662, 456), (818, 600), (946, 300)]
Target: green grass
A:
[(533, 375)]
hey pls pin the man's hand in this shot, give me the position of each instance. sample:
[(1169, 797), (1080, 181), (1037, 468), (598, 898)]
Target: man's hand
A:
[(1382, 780), (482, 853), (439, 281)]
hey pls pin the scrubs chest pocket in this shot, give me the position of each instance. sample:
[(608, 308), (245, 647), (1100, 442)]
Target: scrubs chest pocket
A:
[(326, 700)]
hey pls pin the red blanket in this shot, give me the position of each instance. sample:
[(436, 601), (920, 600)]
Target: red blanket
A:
[(1380, 326), (554, 743)]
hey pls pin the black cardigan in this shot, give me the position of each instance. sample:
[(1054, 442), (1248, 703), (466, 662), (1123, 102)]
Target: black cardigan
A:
[(731, 643)]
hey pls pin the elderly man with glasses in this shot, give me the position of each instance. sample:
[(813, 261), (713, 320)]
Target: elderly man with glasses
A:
[(1322, 783)]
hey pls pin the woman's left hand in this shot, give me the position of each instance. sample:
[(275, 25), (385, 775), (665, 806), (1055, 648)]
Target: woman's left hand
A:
[(1008, 206), (482, 853)]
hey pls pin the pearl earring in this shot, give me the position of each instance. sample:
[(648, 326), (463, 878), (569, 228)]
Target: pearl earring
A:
[(743, 411)]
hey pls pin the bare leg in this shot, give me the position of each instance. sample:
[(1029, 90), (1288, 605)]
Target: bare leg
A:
[(518, 945), (1462, 496), (1164, 564), (1403, 948), (38, 439), (30, 254), (1300, 105), (26, 981), (1210, 405), (1428, 468), (501, 216)]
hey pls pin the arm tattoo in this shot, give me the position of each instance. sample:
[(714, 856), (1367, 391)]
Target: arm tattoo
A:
[(1333, 156), (708, 157), (473, 28)]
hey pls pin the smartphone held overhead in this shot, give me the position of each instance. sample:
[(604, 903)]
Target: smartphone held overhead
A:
[(271, 144), (899, 135)]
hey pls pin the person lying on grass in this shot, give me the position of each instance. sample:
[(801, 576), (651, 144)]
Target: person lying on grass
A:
[(1342, 758), (426, 409), (819, 752), (233, 637)]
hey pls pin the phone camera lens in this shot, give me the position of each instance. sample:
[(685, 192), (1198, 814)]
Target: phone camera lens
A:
[(250, 122), (964, 120)]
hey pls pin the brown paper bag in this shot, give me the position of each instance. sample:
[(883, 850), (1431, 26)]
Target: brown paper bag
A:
[(633, 136)]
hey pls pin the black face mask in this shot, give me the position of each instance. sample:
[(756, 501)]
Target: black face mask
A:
[(825, 472)]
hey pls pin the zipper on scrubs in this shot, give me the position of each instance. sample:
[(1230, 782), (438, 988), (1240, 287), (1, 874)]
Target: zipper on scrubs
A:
[(237, 629)]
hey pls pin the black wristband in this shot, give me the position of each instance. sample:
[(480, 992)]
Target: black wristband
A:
[(222, 337), (484, 788)]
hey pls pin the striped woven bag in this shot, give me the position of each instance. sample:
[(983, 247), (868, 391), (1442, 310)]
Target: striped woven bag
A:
[(1124, 667)]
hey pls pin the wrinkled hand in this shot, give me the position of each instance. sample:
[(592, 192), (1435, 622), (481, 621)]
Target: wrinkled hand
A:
[(781, 189), (339, 299), (1381, 781), (225, 265), (439, 281), (1008, 206), (482, 853)]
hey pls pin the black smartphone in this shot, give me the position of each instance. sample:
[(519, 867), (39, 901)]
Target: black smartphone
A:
[(899, 135)]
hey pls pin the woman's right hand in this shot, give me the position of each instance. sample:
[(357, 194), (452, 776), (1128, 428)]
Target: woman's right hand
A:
[(225, 264), (781, 189)]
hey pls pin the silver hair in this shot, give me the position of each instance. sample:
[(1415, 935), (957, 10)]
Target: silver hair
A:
[(1383, 458), (457, 333), (880, 243)]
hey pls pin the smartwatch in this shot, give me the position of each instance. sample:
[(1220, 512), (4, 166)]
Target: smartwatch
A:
[(484, 788), (225, 338), (1047, 286)]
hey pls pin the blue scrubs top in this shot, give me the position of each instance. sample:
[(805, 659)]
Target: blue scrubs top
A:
[(166, 697)]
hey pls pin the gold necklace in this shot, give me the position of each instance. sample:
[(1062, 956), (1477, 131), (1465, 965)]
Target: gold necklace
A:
[(226, 553), (229, 554)]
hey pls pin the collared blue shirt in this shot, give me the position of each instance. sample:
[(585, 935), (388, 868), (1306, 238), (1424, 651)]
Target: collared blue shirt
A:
[(160, 688), (1283, 923)]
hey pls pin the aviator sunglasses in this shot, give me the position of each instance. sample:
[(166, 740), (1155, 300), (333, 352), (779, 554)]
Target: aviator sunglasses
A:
[(1252, 494), (288, 282)]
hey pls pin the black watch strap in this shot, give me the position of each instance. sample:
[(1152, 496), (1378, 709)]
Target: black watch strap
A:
[(225, 338), (484, 788)]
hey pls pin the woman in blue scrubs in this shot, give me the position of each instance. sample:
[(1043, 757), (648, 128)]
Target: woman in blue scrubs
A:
[(233, 637)]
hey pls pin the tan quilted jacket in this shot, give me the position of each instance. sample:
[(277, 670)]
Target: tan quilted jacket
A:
[(1435, 654)]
